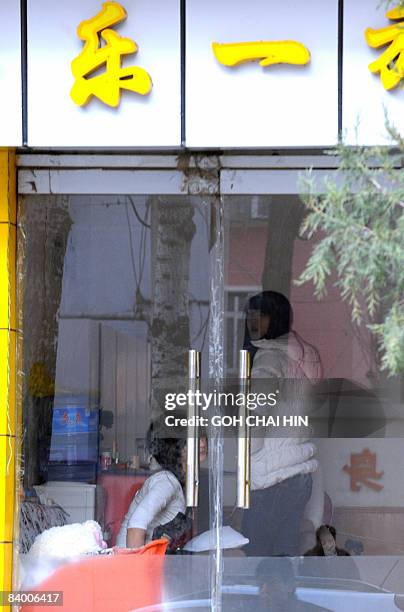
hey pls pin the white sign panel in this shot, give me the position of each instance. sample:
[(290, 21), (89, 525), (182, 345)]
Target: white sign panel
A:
[(10, 75), (149, 118), (248, 105), (365, 98)]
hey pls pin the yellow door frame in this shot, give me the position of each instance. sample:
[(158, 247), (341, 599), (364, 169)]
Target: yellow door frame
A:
[(9, 336)]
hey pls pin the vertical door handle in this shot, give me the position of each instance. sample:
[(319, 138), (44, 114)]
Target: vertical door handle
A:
[(192, 473), (244, 435)]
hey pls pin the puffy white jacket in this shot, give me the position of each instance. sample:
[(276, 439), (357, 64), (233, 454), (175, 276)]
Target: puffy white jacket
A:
[(294, 364)]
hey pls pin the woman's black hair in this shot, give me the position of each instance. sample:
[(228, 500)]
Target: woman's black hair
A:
[(323, 530), (167, 451), (278, 308)]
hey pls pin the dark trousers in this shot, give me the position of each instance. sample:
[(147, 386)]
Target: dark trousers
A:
[(272, 524)]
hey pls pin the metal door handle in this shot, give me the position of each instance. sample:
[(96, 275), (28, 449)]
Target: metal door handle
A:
[(192, 473), (244, 435)]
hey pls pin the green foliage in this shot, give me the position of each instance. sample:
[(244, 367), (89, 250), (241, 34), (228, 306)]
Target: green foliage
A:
[(360, 218)]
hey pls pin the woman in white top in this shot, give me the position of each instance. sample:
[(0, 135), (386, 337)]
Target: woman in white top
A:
[(161, 497)]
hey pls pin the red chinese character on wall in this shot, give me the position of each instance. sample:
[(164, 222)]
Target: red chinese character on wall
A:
[(363, 471)]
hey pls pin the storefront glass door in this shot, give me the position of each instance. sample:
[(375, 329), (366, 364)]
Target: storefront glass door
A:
[(115, 290)]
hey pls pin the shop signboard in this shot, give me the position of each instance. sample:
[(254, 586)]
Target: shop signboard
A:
[(257, 74), (10, 75), (104, 74), (279, 90), (372, 93)]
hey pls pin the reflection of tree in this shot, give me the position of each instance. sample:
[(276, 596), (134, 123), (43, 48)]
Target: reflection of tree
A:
[(285, 215), (46, 223), (173, 229), (361, 220)]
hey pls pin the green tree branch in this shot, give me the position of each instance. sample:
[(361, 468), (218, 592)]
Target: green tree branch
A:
[(361, 219)]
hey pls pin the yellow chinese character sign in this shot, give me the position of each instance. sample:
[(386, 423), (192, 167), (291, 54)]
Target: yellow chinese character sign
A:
[(391, 62), (268, 52), (107, 85)]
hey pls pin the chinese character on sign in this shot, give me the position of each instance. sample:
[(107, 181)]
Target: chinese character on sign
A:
[(363, 471), (268, 52), (107, 85), (391, 62)]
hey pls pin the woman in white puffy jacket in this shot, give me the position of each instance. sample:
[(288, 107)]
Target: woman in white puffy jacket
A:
[(283, 458)]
